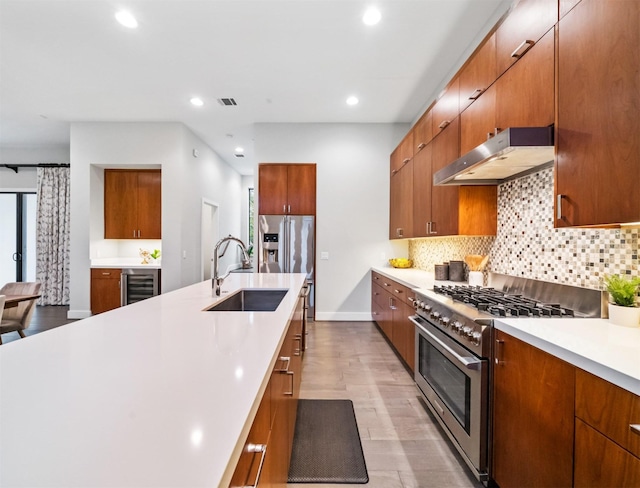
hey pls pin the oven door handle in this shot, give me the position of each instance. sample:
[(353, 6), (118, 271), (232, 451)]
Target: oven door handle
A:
[(467, 362)]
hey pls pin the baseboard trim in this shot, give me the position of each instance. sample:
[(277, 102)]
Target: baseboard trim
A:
[(343, 316), (78, 314)]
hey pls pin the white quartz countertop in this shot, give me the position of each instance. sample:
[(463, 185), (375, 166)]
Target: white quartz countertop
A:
[(158, 393), (129, 263), (608, 351)]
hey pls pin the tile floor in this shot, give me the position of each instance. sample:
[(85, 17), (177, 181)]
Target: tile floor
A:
[(403, 445)]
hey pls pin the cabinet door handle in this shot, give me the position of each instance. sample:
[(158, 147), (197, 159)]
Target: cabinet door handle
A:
[(134, 233), (394, 172), (421, 145), (476, 94), (499, 343), (285, 359), (432, 228), (284, 209), (288, 208), (635, 428), (406, 160), (138, 233), (444, 124), (290, 393), (254, 449), (559, 206), (400, 232), (299, 341), (391, 305), (522, 48)]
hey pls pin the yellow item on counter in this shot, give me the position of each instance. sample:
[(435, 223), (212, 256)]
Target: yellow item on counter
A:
[(401, 262)]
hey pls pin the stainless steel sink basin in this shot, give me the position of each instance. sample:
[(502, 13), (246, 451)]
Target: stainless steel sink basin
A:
[(250, 300)]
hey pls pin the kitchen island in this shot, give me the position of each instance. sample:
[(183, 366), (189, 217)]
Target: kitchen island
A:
[(158, 393)]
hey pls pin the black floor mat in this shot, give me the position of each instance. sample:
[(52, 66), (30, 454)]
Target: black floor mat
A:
[(326, 444)]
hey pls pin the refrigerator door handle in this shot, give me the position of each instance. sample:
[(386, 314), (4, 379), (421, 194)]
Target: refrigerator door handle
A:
[(287, 245)]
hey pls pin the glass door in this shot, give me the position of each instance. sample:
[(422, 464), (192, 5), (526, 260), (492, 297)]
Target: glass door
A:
[(18, 237)]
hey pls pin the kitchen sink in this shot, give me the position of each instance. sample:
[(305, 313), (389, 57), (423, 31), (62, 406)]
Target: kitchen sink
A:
[(250, 300)]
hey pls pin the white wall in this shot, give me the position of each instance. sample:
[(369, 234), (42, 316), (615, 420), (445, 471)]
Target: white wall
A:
[(26, 178), (185, 181), (352, 221)]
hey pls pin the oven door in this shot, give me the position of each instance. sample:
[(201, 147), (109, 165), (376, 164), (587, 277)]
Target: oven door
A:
[(454, 384)]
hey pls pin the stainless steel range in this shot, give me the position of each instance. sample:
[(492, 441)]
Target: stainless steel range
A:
[(453, 348)]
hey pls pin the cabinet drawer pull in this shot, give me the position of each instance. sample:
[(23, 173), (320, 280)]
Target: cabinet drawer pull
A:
[(635, 428), (391, 305), (297, 352), (406, 160), (444, 124), (526, 45), (421, 145), (106, 274), (290, 393), (397, 291), (386, 284), (285, 359), (476, 94), (254, 449), (394, 172)]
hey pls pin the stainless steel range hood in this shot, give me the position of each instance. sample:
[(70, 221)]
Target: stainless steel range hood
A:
[(513, 152)]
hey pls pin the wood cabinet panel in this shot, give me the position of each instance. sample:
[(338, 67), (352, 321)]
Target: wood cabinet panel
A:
[(401, 203), (402, 154), (601, 463), (525, 93), (287, 189), (478, 121), (533, 416), (565, 5), (598, 128), (609, 409), (132, 204), (422, 189), (447, 108), (105, 289), (444, 199), (478, 74), (477, 210), (422, 132), (522, 28)]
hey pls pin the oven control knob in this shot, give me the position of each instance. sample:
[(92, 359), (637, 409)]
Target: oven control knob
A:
[(456, 326), (422, 305), (427, 308), (445, 321), (466, 332), (476, 338), (435, 315)]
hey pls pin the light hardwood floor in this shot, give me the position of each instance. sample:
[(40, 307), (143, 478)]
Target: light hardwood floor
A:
[(403, 445)]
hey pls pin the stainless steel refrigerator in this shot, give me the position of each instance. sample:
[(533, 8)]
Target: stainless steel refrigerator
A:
[(287, 245)]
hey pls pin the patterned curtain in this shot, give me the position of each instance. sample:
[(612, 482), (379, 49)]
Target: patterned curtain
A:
[(52, 235)]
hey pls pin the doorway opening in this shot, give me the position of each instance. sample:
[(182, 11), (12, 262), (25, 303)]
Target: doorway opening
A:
[(209, 235), (18, 239)]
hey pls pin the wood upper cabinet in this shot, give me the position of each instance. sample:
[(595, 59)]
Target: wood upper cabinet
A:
[(521, 29), (403, 153), (565, 5), (422, 189), (105, 289), (401, 203), (287, 189), (132, 204), (533, 416), (446, 109), (598, 128), (444, 199), (478, 121), (422, 132), (525, 93), (478, 74), (607, 450)]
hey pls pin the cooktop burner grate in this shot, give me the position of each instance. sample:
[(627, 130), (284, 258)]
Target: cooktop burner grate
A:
[(501, 304)]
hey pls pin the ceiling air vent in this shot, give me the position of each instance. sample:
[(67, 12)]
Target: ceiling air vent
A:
[(227, 101), (239, 155)]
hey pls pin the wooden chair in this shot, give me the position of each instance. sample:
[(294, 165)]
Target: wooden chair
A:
[(17, 319)]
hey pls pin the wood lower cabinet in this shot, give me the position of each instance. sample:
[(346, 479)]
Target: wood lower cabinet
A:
[(401, 202), (521, 29), (274, 424), (607, 447), (105, 289), (287, 189), (391, 305), (598, 128), (533, 416), (132, 204)]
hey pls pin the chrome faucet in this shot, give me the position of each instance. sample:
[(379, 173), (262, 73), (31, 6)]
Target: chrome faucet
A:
[(217, 281)]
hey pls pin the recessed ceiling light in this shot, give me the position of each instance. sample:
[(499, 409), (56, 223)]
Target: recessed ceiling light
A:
[(239, 149), (352, 100), (126, 19), (197, 102), (371, 16)]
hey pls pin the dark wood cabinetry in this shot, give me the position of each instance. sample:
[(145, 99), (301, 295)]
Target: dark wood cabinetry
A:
[(521, 29), (478, 74), (422, 132), (391, 306), (402, 154), (607, 449), (447, 108), (105, 289), (533, 416), (401, 202), (598, 128), (287, 189), (132, 204)]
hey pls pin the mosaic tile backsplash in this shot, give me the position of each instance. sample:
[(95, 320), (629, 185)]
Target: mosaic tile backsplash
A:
[(527, 245)]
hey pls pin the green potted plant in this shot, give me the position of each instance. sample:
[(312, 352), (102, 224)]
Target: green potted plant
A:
[(623, 306)]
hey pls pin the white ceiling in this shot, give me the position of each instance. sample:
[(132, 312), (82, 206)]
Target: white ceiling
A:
[(65, 61)]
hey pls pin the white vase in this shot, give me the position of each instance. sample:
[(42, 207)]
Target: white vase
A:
[(476, 278), (624, 316)]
